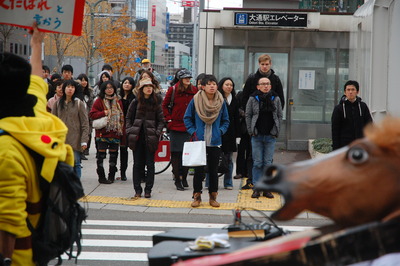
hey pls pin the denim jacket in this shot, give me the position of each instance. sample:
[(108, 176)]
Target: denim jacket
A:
[(194, 124)]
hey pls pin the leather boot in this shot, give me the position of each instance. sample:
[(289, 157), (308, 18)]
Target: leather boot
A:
[(123, 176), (100, 170), (113, 166), (178, 183), (213, 199), (196, 199), (184, 181), (102, 176), (123, 162)]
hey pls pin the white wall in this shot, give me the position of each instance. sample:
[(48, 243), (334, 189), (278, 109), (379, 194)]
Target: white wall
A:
[(374, 55)]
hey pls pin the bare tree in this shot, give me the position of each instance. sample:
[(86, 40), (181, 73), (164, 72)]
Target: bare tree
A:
[(62, 43), (6, 31)]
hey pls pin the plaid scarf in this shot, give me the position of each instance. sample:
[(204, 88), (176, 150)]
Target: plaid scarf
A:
[(115, 114)]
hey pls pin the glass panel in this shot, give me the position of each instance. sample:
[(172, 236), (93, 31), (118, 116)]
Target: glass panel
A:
[(313, 92), (229, 63)]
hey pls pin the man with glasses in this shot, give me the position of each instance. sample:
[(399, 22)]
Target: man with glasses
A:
[(263, 119), (264, 70)]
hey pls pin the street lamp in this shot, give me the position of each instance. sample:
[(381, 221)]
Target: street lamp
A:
[(92, 7)]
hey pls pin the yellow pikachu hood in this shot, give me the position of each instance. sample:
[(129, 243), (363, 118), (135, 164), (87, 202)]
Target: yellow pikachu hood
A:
[(44, 133)]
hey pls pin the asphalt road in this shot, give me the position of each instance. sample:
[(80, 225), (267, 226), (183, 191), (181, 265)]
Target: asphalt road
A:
[(113, 237)]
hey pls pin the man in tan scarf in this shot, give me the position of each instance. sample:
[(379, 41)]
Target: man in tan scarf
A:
[(207, 119)]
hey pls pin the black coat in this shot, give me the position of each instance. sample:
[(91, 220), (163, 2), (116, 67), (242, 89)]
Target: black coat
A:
[(348, 121), (229, 138), (251, 86), (150, 118)]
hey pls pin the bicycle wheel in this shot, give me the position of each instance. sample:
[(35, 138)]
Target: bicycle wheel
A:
[(161, 167)]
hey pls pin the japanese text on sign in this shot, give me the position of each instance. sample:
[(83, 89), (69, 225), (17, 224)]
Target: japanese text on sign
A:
[(271, 19), (63, 16)]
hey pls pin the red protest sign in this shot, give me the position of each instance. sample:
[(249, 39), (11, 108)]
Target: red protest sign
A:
[(60, 16)]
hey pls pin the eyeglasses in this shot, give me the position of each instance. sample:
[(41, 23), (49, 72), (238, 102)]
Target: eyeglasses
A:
[(264, 84)]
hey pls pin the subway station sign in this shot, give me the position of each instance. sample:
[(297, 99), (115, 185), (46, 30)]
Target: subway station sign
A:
[(270, 19)]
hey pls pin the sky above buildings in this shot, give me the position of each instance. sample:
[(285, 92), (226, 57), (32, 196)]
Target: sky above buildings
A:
[(174, 6)]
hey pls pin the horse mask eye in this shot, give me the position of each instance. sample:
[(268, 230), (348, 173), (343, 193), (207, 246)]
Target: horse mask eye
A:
[(357, 155)]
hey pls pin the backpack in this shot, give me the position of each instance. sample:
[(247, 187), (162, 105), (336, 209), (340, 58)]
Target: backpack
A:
[(171, 102), (61, 218)]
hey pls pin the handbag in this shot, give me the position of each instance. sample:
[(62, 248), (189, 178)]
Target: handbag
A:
[(100, 123), (223, 165), (194, 153)]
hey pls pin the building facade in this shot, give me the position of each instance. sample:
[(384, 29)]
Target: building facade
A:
[(310, 57)]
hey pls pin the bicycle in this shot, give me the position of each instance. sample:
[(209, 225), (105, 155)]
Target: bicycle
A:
[(162, 157)]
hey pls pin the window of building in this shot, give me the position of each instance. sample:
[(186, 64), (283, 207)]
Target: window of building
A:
[(316, 100), (229, 63)]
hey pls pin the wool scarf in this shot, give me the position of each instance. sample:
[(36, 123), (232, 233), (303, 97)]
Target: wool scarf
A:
[(208, 111), (116, 116)]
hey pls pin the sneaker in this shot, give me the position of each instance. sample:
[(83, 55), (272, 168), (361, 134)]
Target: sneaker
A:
[(255, 194), (239, 176), (138, 195), (229, 188), (248, 186), (268, 194), (147, 195)]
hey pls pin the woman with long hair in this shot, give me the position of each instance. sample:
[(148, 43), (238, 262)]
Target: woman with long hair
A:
[(72, 111), (103, 77), (127, 96), (88, 98), (109, 137), (226, 87), (144, 125), (174, 106)]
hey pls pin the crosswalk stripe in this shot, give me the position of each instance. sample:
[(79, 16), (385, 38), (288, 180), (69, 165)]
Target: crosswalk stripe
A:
[(153, 224), (108, 256), (178, 224), (117, 243), (112, 232)]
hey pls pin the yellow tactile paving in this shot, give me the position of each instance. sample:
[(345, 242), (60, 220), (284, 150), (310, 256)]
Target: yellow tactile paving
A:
[(244, 200)]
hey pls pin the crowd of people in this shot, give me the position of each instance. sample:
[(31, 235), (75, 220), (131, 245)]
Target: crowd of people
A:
[(210, 110), (136, 113)]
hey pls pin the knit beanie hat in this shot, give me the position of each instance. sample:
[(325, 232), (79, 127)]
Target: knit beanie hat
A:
[(15, 75)]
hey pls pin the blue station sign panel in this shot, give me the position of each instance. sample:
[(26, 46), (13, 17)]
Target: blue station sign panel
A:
[(271, 19)]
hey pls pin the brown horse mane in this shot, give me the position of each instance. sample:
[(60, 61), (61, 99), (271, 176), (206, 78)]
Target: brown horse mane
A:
[(386, 134)]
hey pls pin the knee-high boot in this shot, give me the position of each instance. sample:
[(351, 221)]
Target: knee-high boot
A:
[(100, 168), (113, 166), (123, 162)]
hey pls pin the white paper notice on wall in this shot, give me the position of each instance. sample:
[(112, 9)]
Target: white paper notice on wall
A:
[(306, 79)]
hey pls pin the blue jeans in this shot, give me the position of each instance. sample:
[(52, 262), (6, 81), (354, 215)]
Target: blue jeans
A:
[(228, 175), (263, 147), (77, 163)]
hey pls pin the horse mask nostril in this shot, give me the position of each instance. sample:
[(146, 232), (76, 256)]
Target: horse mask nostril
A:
[(272, 174)]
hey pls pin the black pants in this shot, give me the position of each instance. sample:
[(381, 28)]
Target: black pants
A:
[(143, 158), (213, 154), (177, 168), (244, 160)]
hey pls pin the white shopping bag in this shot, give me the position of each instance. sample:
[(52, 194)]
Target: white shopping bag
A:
[(194, 153)]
